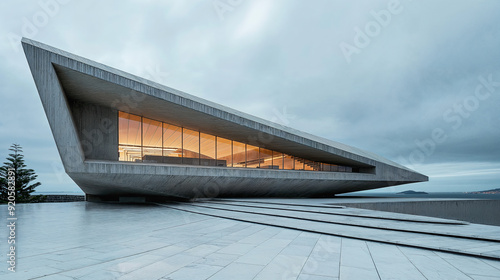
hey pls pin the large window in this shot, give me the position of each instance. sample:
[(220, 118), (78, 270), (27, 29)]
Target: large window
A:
[(207, 150), (172, 144), (239, 154), (190, 147), (130, 137), (278, 160), (151, 140), (224, 152), (288, 162), (146, 140), (253, 160), (267, 160)]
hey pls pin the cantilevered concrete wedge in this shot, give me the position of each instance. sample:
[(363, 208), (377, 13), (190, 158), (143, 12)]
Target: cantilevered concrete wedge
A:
[(119, 135)]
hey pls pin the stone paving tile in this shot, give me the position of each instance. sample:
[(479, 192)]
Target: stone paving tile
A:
[(391, 263), (28, 273), (161, 268), (150, 242), (112, 255), (133, 263), (471, 266), (101, 275), (282, 267), (100, 267), (477, 277), (57, 277), (169, 250), (356, 261), (315, 277), (194, 271), (36, 261), (261, 235), (74, 263), (432, 266), (218, 259), (263, 253), (238, 271), (324, 259), (244, 232), (297, 250), (494, 263), (202, 250), (237, 248)]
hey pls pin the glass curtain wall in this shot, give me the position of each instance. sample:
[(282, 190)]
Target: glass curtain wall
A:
[(130, 137), (172, 144), (253, 159), (239, 154), (151, 140), (207, 150), (146, 140), (224, 152), (190, 147), (266, 159)]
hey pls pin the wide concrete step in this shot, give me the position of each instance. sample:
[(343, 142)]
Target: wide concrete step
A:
[(385, 233), (370, 219), (339, 210)]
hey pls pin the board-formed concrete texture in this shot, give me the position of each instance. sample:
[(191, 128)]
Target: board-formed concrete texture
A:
[(82, 100)]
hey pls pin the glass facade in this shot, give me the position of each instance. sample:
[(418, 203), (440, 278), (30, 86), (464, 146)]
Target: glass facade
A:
[(130, 137), (190, 147), (224, 152), (151, 140), (239, 154), (145, 140), (207, 149), (172, 141)]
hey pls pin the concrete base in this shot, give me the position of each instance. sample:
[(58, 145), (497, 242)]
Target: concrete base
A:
[(474, 211)]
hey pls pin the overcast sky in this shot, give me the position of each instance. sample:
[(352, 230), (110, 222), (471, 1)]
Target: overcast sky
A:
[(417, 82)]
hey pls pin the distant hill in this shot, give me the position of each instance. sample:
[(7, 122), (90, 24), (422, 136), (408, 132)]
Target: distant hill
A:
[(411, 192), (493, 191)]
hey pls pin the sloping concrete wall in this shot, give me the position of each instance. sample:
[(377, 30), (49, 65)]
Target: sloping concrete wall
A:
[(97, 128)]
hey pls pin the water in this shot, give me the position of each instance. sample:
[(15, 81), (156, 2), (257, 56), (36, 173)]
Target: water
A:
[(58, 193)]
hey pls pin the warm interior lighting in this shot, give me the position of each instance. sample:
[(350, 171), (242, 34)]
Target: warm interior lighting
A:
[(146, 140)]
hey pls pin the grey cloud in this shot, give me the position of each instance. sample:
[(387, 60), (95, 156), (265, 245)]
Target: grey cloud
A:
[(393, 92)]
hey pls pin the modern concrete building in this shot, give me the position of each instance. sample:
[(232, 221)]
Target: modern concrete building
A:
[(122, 136)]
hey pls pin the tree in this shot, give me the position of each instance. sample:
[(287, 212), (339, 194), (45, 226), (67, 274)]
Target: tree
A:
[(15, 170)]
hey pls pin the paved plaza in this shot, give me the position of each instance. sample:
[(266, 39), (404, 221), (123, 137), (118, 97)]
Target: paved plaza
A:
[(244, 239)]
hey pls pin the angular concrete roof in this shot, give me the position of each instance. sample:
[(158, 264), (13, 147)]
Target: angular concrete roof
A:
[(60, 76)]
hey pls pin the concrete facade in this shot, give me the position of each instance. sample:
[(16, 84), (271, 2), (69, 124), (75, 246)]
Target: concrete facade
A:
[(81, 99)]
